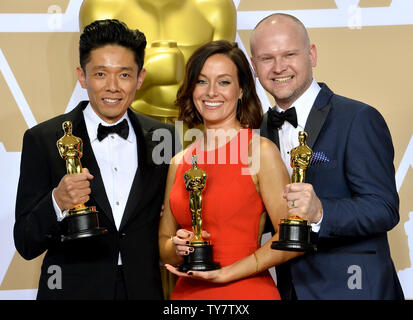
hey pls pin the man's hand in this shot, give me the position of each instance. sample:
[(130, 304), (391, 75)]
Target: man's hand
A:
[(303, 202), (73, 189)]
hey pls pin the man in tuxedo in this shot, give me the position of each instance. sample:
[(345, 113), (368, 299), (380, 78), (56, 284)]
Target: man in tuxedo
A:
[(119, 176), (349, 194)]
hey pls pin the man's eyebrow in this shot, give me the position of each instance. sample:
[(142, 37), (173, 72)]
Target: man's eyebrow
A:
[(105, 67)]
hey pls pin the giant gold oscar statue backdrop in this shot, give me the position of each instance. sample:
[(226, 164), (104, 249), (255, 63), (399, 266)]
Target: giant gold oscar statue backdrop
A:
[(174, 30), (364, 52)]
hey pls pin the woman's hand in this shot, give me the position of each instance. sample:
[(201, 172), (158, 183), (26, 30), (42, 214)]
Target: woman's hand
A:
[(215, 276), (182, 240)]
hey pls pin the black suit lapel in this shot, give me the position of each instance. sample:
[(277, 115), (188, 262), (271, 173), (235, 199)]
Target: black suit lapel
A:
[(88, 160), (143, 173), (318, 114), (268, 131)]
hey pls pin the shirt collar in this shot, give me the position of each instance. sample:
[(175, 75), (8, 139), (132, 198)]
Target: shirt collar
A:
[(304, 103), (92, 121)]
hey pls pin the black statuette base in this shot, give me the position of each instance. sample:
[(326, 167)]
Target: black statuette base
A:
[(294, 237), (199, 260), (82, 226)]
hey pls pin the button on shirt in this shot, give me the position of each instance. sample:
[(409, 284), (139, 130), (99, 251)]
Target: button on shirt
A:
[(288, 135)]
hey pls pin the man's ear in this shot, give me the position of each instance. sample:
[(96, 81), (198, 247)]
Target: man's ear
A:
[(81, 76), (141, 77), (313, 55), (253, 66)]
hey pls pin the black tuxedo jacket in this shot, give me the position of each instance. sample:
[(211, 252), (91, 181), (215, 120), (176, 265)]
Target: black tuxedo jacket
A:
[(352, 173), (88, 266)]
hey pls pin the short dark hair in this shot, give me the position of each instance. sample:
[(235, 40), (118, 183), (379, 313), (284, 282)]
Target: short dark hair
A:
[(249, 110), (111, 32)]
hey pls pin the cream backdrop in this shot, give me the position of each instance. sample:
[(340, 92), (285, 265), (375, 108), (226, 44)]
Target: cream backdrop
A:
[(365, 52)]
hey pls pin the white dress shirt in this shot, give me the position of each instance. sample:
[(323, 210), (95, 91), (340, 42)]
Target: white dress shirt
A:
[(288, 135), (117, 159)]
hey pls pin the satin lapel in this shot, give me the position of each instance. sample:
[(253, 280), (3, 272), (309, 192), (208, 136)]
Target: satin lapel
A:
[(318, 114), (269, 131), (143, 174), (88, 160)]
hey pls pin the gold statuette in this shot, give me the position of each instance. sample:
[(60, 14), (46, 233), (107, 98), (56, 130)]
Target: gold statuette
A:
[(195, 180), (295, 231), (300, 158), (201, 257), (81, 221)]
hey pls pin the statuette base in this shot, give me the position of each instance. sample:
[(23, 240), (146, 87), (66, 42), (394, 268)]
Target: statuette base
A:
[(199, 260), (294, 236), (82, 223)]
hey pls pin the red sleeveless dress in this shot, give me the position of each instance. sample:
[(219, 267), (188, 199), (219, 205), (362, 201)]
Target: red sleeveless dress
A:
[(231, 210)]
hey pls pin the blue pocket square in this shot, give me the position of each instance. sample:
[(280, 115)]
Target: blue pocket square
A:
[(319, 157)]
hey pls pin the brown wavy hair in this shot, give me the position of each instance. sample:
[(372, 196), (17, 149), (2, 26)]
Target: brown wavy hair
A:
[(249, 110)]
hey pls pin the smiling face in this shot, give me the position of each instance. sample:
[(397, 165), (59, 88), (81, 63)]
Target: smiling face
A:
[(111, 79), (283, 59), (217, 91)]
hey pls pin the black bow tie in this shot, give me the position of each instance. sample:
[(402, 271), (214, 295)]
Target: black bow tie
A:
[(122, 129), (277, 118)]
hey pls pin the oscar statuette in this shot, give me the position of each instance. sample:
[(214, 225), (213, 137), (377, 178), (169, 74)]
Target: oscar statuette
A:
[(81, 221), (295, 231), (200, 259)]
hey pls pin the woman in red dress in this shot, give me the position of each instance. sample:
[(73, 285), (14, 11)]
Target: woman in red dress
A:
[(245, 178)]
